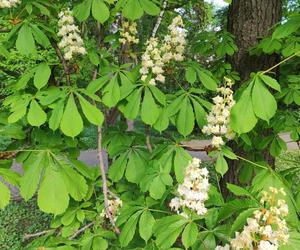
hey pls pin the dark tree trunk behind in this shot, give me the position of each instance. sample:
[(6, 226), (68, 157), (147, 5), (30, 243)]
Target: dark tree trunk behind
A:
[(250, 21)]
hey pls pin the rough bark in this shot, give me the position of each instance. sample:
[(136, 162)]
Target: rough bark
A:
[(250, 21)]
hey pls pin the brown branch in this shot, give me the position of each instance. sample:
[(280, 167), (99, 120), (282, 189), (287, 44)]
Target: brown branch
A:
[(29, 236), (159, 19), (81, 230), (63, 61), (104, 181), (148, 135)]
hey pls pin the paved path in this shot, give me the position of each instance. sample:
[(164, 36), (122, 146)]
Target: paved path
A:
[(90, 156)]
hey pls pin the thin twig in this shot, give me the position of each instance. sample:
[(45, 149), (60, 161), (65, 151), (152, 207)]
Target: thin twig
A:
[(281, 62), (63, 61), (148, 135), (104, 181), (81, 230), (29, 236), (159, 19)]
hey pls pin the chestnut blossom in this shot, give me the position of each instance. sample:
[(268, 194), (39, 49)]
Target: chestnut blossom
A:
[(9, 3), (128, 33), (218, 119), (113, 207), (267, 230), (71, 42), (193, 192), (158, 54)]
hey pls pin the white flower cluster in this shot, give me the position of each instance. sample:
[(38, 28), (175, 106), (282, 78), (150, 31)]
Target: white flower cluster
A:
[(113, 207), (71, 42), (128, 33), (219, 117), (268, 229), (193, 192), (9, 3), (157, 55)]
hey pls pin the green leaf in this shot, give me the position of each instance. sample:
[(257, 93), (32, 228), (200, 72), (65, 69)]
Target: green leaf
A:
[(181, 160), (189, 235), (77, 189), (91, 112), (207, 80), (146, 224), (128, 230), (135, 168), (238, 191), (25, 42), (97, 84), (42, 75), (270, 81), (287, 28), (56, 115), (242, 118), (162, 122), (133, 106), (132, 10), (185, 120), (111, 93), (190, 75), (4, 195), (149, 7), (221, 165), (71, 123), (53, 195), (40, 36), (199, 113), (149, 110), (36, 115), (33, 168), (82, 11), (264, 103), (157, 188), (241, 220), (117, 168), (100, 11)]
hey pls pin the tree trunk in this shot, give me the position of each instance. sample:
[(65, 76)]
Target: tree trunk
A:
[(250, 21)]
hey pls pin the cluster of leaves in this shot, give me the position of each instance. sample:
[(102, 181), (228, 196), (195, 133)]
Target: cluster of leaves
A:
[(51, 101)]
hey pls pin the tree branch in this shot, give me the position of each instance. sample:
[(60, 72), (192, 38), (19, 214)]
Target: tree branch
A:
[(159, 19), (29, 236), (104, 181), (81, 230), (63, 61), (148, 135)]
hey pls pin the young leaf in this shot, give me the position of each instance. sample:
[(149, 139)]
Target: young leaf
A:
[(42, 75), (189, 235), (91, 112), (25, 42), (146, 224), (264, 103), (100, 11), (221, 165), (53, 194), (71, 123), (36, 115)]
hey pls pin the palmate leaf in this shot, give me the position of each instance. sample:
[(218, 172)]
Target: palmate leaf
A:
[(25, 43), (189, 235), (100, 11), (42, 75), (149, 109), (146, 224), (36, 115), (185, 120)]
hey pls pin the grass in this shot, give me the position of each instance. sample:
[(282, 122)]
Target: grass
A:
[(20, 218)]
